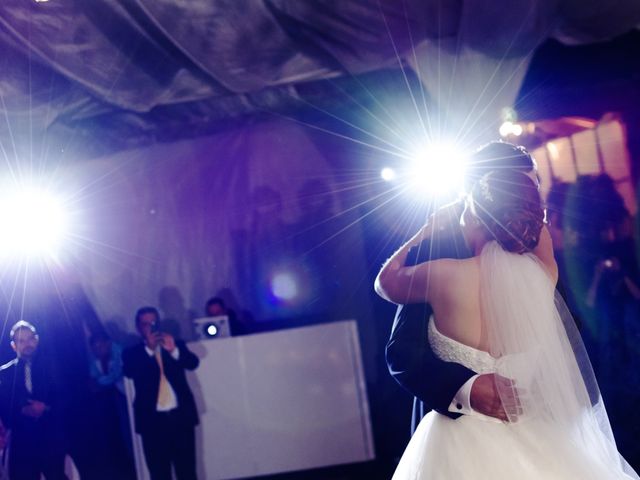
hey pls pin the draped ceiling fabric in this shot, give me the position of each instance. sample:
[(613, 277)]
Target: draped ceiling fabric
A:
[(66, 62)]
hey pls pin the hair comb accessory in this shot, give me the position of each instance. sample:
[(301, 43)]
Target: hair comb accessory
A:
[(484, 189)]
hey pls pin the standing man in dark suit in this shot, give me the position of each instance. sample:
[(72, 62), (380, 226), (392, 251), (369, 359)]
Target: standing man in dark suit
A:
[(30, 407), (164, 410), (450, 389)]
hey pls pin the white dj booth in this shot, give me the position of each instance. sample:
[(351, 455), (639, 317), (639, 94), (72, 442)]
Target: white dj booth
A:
[(276, 402)]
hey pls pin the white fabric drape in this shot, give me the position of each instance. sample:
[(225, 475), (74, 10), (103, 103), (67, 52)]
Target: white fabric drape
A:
[(146, 53)]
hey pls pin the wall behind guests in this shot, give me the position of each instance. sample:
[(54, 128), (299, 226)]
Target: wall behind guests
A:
[(172, 224)]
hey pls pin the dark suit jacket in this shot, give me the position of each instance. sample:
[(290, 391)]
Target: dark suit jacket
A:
[(143, 369), (410, 359), (14, 396)]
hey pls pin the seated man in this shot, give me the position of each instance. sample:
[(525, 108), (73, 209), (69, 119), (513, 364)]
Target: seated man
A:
[(216, 307)]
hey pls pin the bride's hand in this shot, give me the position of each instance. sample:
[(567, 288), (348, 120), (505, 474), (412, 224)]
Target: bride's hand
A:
[(485, 398)]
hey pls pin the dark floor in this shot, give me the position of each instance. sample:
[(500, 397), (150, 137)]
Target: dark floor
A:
[(374, 470)]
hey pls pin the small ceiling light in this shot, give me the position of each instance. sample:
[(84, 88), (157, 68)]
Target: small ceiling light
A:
[(388, 174), (509, 128)]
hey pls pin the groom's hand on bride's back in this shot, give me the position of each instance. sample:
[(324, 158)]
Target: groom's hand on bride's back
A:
[(486, 399)]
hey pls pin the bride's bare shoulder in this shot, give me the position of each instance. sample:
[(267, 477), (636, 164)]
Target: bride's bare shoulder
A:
[(455, 264), (454, 269)]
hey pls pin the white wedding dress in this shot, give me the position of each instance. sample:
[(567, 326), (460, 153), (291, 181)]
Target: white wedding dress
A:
[(561, 435)]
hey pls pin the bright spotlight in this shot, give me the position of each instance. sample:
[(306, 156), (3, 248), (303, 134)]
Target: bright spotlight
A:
[(33, 222), (283, 286), (438, 170), (388, 174)]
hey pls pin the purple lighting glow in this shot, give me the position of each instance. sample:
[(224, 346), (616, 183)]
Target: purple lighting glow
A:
[(284, 286)]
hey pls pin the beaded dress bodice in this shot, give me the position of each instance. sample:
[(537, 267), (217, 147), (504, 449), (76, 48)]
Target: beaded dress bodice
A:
[(450, 350)]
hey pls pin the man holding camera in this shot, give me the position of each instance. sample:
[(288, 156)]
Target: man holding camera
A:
[(164, 409)]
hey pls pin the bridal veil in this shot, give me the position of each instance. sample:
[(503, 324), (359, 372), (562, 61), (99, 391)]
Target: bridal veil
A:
[(534, 337)]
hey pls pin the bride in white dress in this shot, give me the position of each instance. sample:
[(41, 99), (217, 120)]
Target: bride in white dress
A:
[(498, 312)]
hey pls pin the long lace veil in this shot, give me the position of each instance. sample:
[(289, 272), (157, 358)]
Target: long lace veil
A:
[(535, 338)]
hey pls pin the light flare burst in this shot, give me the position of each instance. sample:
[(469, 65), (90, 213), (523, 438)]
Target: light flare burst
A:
[(34, 223)]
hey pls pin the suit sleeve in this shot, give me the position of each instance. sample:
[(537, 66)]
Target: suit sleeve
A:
[(11, 403), (127, 363), (410, 359), (5, 407), (187, 359)]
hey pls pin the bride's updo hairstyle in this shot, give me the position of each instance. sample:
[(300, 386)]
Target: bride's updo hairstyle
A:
[(508, 204)]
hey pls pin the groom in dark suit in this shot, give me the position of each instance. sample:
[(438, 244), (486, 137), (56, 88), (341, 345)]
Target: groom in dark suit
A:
[(164, 409), (448, 388)]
